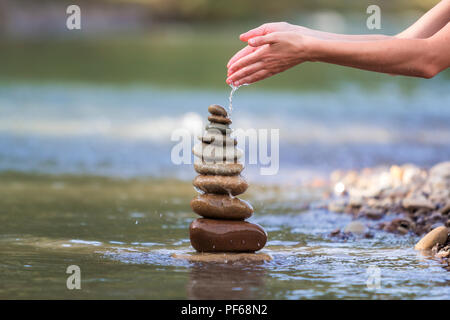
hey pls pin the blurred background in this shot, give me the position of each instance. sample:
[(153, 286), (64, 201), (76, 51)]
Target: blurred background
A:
[(104, 100)]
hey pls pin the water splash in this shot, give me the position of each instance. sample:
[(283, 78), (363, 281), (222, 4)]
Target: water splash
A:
[(230, 98)]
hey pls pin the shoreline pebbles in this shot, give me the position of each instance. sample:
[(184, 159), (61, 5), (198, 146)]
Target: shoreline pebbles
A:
[(407, 199)]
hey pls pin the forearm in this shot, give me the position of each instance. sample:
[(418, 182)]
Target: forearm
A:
[(411, 57), (340, 37), (430, 23)]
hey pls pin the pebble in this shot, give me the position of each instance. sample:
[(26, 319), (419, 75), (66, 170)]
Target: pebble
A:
[(218, 139), (213, 152), (208, 235), (417, 203), (221, 207), (217, 110), (215, 127), (355, 227), (219, 119), (233, 185), (222, 169), (436, 236)]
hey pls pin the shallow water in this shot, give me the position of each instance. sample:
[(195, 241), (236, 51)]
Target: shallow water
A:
[(126, 132), (124, 208), (121, 233)]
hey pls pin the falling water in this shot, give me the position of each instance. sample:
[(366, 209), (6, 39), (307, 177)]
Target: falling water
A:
[(230, 98)]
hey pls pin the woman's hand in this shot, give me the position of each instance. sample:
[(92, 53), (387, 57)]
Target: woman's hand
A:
[(271, 54), (260, 31)]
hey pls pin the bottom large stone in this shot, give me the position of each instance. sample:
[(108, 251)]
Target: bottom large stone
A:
[(208, 235)]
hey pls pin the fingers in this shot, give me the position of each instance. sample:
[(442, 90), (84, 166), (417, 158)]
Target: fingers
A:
[(262, 40), (254, 77), (247, 60), (259, 31), (241, 53), (244, 72)]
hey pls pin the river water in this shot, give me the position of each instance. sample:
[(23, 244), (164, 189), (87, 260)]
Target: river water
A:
[(86, 179)]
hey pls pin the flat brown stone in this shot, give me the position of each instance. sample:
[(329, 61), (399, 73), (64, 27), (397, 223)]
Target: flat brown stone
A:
[(208, 235), (221, 207), (219, 119), (225, 257), (222, 169), (217, 110), (233, 185)]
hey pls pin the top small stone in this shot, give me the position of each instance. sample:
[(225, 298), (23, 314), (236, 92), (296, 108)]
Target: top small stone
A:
[(217, 110)]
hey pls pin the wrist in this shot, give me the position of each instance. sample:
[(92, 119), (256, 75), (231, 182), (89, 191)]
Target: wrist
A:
[(313, 49)]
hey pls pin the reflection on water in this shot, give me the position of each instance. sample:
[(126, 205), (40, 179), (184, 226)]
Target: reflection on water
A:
[(225, 281)]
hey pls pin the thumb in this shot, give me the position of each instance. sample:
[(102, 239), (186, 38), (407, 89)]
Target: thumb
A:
[(259, 41)]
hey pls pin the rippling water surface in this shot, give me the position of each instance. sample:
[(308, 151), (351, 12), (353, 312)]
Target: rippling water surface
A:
[(86, 179)]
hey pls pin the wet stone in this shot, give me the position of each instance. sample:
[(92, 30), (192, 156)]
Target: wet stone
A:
[(206, 151), (208, 235), (218, 139), (214, 127), (217, 110), (222, 169), (219, 119), (221, 207), (233, 185)]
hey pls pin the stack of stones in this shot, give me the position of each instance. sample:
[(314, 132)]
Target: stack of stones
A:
[(222, 227)]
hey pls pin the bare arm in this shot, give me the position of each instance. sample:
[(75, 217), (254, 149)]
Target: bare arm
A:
[(340, 37), (412, 57), (279, 51), (430, 23)]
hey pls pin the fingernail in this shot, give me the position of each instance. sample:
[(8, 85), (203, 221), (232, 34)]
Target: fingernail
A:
[(251, 41)]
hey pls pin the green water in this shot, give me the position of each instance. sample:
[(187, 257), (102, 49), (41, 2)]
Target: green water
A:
[(121, 233)]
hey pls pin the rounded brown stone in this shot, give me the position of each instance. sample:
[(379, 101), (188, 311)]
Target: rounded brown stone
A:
[(438, 235), (219, 119), (233, 185), (221, 169), (217, 110), (217, 206), (208, 235)]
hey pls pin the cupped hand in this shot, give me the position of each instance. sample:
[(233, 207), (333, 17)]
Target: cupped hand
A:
[(272, 53), (260, 31)]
